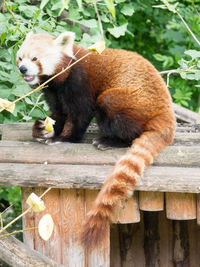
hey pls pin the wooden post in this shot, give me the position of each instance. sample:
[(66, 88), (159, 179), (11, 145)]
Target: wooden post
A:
[(100, 256), (180, 244), (151, 201), (130, 212), (181, 206), (151, 239)]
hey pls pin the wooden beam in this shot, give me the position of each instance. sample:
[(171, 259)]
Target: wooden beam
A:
[(184, 114), (68, 153), (15, 253), (163, 179)]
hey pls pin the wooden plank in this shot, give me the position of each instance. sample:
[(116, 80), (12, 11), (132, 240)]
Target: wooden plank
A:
[(184, 114), (151, 201), (178, 179), (17, 254), (115, 259), (180, 244), (181, 206), (166, 238), (198, 209), (69, 153), (137, 249), (23, 131), (194, 243), (151, 239), (100, 256), (51, 248), (29, 219), (129, 213), (72, 216)]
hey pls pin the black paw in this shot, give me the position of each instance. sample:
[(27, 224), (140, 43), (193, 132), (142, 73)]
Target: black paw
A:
[(105, 143), (39, 132)]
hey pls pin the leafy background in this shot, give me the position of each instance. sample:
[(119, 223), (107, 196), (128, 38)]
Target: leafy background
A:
[(143, 26)]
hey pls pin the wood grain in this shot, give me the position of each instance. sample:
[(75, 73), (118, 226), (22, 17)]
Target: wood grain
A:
[(51, 248), (181, 206), (17, 254), (178, 179), (68, 153), (29, 219), (198, 209), (100, 256), (129, 213), (73, 213), (151, 201)]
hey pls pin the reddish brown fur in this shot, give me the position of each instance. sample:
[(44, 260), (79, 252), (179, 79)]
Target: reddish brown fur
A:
[(129, 84), (126, 85)]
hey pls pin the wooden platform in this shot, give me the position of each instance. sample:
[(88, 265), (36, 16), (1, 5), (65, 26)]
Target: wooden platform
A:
[(157, 227)]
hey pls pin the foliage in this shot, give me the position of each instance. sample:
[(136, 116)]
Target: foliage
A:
[(11, 195), (158, 34)]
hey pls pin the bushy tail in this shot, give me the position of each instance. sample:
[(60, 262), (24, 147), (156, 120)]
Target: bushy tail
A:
[(120, 184)]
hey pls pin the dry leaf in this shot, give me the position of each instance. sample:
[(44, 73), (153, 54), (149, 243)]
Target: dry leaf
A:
[(97, 47), (7, 105), (35, 203)]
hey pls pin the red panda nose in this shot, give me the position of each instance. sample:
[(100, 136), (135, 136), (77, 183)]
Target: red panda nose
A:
[(23, 69)]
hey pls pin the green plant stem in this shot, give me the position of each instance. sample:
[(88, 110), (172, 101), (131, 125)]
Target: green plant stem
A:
[(24, 213), (18, 231), (188, 28)]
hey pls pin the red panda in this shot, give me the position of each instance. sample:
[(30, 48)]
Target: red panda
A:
[(126, 95)]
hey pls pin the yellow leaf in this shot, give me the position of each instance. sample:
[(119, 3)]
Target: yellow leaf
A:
[(45, 227), (97, 47), (35, 202), (7, 105), (49, 122)]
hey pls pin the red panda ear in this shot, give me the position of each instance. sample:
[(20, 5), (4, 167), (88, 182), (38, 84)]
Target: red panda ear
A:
[(66, 40), (28, 35)]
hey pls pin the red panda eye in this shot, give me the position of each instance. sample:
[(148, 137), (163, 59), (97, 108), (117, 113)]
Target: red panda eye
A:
[(20, 58), (34, 59)]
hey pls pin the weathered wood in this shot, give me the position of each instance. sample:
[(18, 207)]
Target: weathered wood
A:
[(151, 201), (194, 243), (166, 240), (115, 257), (51, 248), (100, 256), (198, 209), (181, 206), (68, 153), (129, 213), (23, 131), (29, 219), (72, 216), (184, 114), (151, 239), (163, 179), (180, 244), (16, 254)]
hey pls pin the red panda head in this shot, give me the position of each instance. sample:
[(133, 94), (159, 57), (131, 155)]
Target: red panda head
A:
[(41, 54)]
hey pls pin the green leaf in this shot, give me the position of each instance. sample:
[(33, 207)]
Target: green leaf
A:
[(89, 23), (118, 31), (193, 53), (128, 10), (43, 3), (111, 7), (27, 11)]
